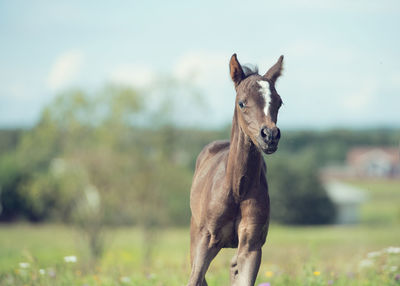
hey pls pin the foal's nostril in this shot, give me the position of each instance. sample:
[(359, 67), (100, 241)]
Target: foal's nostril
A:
[(265, 133), (270, 134)]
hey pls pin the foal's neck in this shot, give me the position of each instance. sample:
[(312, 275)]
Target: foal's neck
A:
[(244, 160)]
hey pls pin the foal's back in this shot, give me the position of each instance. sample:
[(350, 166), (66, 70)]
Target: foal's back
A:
[(218, 149)]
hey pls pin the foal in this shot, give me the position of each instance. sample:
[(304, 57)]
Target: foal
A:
[(229, 195)]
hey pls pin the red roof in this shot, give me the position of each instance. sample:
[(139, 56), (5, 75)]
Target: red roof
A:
[(360, 154)]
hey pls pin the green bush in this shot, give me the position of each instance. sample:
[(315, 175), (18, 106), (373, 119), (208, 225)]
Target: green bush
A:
[(297, 194), (13, 204)]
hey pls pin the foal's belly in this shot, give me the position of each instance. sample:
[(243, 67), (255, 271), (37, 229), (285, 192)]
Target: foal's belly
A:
[(229, 235)]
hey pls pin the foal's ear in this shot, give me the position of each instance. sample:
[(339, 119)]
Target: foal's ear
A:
[(275, 71), (236, 70)]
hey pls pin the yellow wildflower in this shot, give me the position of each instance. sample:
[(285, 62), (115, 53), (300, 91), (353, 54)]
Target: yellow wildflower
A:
[(269, 274)]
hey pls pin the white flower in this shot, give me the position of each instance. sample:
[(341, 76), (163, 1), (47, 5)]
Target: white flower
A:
[(42, 271), (24, 264), (366, 263), (70, 259), (125, 279), (92, 197), (392, 250), (374, 254)]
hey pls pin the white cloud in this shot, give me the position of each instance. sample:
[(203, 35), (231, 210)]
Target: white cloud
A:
[(360, 102), (201, 67), (204, 77), (133, 75), (65, 69), (209, 73)]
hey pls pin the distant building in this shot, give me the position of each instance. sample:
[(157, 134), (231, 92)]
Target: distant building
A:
[(361, 163), (347, 200), (366, 162), (374, 162)]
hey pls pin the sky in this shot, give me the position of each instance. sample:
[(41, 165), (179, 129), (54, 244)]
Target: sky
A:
[(341, 66)]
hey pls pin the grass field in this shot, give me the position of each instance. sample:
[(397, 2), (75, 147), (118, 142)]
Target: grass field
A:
[(366, 254), (383, 201)]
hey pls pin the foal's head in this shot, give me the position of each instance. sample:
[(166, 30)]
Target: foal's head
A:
[(257, 104)]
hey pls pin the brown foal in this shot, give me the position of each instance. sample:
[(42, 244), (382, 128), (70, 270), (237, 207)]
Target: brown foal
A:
[(229, 196)]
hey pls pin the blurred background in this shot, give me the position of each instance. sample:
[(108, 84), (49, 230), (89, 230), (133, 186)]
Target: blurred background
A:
[(104, 107)]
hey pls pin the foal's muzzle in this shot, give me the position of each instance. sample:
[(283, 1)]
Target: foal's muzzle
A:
[(269, 135), (269, 139)]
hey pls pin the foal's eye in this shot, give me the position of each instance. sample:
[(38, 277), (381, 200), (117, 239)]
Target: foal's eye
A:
[(241, 104)]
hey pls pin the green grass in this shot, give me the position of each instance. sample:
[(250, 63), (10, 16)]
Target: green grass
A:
[(291, 256), (329, 255)]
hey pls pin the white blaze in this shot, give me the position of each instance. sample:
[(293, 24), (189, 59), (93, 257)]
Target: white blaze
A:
[(266, 94)]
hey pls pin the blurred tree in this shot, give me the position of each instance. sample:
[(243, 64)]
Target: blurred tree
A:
[(95, 140), (9, 139), (13, 204), (297, 194)]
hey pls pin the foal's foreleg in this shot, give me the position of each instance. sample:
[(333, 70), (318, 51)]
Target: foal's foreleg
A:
[(248, 264), (234, 270), (202, 254), (248, 255)]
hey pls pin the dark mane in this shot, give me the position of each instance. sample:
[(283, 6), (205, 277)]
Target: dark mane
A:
[(249, 69)]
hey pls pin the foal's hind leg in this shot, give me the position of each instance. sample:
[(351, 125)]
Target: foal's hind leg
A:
[(202, 253)]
